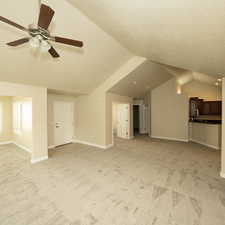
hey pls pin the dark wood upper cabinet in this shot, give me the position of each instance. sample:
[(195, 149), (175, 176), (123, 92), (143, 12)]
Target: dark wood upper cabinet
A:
[(212, 108), (205, 107)]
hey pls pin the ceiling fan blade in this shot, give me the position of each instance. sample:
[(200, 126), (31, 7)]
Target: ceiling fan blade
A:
[(68, 41), (53, 53), (45, 17), (18, 42), (3, 19)]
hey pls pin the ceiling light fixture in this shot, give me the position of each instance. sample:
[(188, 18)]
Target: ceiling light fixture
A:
[(217, 84), (45, 46), (179, 91), (219, 80), (35, 42), (38, 42)]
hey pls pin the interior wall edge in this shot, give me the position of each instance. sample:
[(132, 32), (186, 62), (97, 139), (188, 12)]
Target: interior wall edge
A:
[(93, 145), (34, 161)]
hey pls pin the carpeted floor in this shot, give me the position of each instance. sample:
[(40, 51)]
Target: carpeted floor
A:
[(137, 182)]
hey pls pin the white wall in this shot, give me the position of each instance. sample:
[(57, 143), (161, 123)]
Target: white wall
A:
[(147, 100), (202, 90), (39, 115), (206, 134), (94, 114), (114, 118), (51, 122), (223, 131), (169, 112), (6, 134)]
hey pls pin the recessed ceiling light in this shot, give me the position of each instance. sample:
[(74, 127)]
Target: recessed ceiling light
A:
[(217, 84), (219, 79)]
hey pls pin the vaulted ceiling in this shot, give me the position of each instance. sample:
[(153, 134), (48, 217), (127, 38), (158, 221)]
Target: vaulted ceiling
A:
[(78, 70), (186, 34), (145, 78)]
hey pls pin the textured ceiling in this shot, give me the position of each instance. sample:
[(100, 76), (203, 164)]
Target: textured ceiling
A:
[(78, 70), (186, 34), (186, 76), (145, 78)]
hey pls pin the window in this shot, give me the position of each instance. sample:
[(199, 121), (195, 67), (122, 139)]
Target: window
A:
[(17, 117), (1, 117)]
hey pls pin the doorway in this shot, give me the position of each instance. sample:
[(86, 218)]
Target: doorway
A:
[(63, 122), (121, 120), (140, 118), (136, 118), (16, 122)]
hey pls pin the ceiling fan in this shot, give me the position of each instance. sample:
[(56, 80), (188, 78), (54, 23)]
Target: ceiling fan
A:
[(40, 36)]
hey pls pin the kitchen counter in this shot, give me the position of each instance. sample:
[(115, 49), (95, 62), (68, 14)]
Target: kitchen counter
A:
[(208, 119), (208, 134)]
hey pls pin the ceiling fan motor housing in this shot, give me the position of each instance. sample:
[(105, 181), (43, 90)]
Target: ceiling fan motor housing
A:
[(44, 34)]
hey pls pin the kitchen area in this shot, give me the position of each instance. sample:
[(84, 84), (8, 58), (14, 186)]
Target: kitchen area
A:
[(205, 119)]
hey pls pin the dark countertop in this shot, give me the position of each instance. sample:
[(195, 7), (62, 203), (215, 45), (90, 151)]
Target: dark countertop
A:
[(206, 121)]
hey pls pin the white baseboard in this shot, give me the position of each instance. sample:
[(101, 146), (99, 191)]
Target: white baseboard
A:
[(109, 146), (169, 139), (6, 142), (22, 147), (126, 138), (92, 144), (207, 145), (51, 147), (33, 161), (222, 175)]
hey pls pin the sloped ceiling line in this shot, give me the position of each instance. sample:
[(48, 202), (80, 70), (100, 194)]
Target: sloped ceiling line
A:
[(185, 34)]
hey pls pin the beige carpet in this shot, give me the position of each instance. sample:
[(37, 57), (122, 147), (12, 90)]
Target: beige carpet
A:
[(137, 182)]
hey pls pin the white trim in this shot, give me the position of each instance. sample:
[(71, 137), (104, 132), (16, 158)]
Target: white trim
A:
[(169, 139), (18, 145), (93, 145), (22, 147), (207, 145), (109, 146), (6, 142), (222, 175), (51, 147), (33, 161)]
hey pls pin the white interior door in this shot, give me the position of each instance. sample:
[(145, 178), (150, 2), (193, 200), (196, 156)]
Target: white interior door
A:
[(123, 120), (63, 117)]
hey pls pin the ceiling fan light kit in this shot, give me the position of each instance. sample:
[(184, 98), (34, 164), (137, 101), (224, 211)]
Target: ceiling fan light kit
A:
[(45, 46), (40, 37), (38, 42), (34, 42)]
